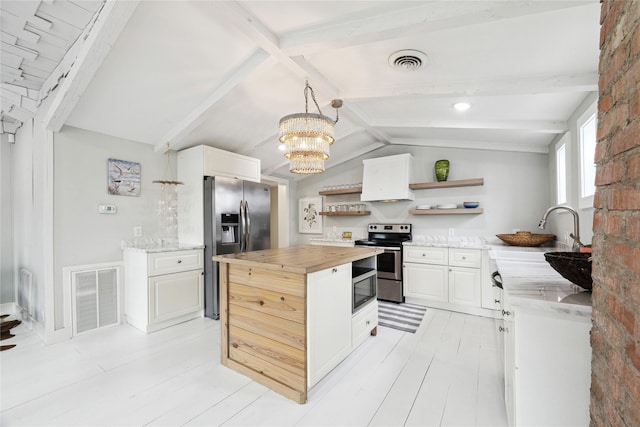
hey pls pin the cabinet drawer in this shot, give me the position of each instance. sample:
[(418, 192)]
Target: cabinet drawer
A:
[(465, 257), (363, 322), (426, 255), (175, 261)]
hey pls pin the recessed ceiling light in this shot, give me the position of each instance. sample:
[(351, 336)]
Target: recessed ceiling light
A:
[(461, 106)]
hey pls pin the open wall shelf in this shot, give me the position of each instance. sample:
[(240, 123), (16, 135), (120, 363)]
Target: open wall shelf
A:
[(447, 184), (346, 213), (462, 211), (353, 190)]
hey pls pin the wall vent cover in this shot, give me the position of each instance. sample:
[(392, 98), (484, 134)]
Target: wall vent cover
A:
[(408, 60), (95, 299)]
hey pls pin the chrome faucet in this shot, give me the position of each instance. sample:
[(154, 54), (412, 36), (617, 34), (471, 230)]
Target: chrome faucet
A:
[(577, 244)]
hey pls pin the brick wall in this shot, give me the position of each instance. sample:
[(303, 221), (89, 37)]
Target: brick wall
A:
[(615, 337)]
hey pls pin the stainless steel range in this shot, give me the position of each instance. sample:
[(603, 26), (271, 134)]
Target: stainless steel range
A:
[(388, 237)]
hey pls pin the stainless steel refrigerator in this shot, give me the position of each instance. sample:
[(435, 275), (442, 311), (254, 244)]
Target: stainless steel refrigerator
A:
[(236, 219)]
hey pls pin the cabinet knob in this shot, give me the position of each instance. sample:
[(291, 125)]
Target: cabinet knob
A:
[(506, 313), (335, 270), (497, 301), (464, 257), (501, 329), (424, 254), (368, 322), (179, 261)]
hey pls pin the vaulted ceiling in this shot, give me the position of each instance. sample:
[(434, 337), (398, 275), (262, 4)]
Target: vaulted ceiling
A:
[(181, 73)]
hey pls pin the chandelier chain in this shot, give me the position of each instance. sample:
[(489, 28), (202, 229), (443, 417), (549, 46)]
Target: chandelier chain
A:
[(307, 89)]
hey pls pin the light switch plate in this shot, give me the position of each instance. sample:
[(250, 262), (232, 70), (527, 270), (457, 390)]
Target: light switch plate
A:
[(137, 231)]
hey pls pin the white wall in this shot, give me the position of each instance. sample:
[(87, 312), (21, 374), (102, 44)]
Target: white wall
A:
[(7, 271), (82, 235), (515, 193)]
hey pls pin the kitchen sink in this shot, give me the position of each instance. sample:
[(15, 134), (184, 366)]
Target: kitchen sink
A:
[(512, 255)]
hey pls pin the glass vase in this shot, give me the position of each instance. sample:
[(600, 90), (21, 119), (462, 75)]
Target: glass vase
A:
[(442, 170)]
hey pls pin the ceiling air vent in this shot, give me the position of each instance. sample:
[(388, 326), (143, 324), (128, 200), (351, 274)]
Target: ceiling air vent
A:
[(407, 60)]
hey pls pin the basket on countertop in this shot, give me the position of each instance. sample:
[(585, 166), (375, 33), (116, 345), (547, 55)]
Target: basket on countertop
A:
[(573, 266), (525, 238)]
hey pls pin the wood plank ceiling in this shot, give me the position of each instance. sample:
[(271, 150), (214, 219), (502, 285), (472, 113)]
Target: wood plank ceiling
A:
[(177, 74), (36, 35)]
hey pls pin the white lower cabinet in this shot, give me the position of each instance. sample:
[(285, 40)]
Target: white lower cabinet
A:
[(328, 320), (332, 330), (174, 295), (447, 278), (163, 288), (363, 322), (464, 286), (547, 368), (426, 281)]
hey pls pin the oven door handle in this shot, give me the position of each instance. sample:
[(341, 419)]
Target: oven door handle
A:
[(385, 248)]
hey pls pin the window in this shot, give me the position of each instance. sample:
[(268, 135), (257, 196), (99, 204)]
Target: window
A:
[(561, 170), (587, 125)]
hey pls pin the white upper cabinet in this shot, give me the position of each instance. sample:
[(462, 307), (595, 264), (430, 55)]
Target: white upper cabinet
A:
[(193, 165), (224, 163), (387, 178)]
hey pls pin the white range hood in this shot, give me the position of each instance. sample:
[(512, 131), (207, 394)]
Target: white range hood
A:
[(386, 179)]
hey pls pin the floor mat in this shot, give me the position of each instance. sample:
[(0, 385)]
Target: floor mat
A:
[(404, 317)]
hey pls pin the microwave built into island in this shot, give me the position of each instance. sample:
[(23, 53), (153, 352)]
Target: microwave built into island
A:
[(287, 315)]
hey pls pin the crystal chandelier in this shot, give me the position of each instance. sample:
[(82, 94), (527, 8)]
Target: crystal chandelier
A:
[(168, 204), (307, 136)]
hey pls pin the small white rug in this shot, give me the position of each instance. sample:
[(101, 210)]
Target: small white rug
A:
[(404, 317)]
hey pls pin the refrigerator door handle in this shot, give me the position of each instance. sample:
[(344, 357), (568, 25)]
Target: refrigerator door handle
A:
[(242, 228), (248, 222)]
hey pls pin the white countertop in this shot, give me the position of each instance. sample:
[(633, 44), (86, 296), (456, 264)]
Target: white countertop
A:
[(529, 281), (449, 242), (154, 246)]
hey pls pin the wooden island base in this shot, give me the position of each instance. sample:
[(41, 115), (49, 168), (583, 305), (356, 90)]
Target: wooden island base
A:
[(286, 316)]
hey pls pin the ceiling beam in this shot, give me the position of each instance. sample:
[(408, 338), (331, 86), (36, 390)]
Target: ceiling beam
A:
[(585, 82), (422, 19), (475, 145), (253, 28), (535, 126), (195, 118), (69, 80)]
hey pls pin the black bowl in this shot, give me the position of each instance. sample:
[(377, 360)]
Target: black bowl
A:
[(573, 266)]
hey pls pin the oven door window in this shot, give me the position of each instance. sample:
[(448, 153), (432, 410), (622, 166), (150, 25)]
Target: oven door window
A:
[(389, 265), (364, 290)]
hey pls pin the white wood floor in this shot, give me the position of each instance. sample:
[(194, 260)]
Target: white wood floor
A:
[(447, 374)]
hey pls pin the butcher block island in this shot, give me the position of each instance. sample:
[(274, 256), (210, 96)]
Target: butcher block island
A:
[(286, 314)]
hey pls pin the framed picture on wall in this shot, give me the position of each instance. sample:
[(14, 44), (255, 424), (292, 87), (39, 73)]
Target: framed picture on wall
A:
[(123, 178), (309, 218)]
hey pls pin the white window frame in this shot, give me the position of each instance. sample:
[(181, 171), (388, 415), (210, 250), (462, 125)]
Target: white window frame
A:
[(562, 168), (587, 167)]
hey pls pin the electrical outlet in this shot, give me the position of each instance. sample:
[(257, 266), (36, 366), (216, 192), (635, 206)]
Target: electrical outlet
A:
[(137, 231)]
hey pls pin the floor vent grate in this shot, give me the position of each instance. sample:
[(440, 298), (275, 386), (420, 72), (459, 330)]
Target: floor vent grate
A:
[(25, 293)]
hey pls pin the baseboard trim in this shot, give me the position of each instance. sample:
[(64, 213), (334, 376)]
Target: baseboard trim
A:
[(8, 308)]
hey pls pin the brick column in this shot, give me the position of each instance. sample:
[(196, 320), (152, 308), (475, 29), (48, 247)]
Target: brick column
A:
[(615, 337)]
